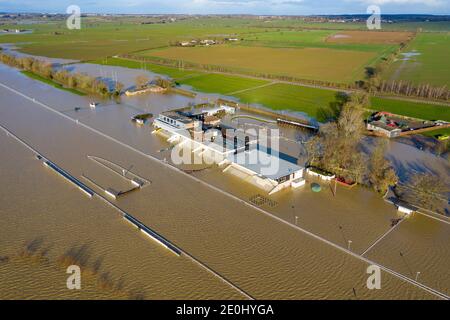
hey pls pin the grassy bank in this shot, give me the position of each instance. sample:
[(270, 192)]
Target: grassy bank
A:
[(51, 83)]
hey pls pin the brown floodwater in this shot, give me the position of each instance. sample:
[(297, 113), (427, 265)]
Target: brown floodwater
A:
[(44, 213), (264, 257)]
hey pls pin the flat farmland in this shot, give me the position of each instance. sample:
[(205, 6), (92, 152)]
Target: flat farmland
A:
[(288, 38), (346, 40), (306, 63), (99, 38), (301, 24), (281, 96), (424, 60), (375, 37)]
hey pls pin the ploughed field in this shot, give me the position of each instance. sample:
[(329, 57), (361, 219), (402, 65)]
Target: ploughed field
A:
[(304, 63), (327, 55), (370, 37), (334, 39)]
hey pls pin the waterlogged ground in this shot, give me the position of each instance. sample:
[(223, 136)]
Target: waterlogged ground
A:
[(257, 253), (45, 219)]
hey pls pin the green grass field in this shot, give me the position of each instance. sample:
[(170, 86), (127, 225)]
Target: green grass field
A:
[(223, 84), (423, 111), (51, 83), (280, 96), (431, 66), (316, 102)]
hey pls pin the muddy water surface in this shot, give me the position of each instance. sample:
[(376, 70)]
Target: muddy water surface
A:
[(266, 258)]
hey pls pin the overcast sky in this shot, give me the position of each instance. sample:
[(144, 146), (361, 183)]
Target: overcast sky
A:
[(291, 7)]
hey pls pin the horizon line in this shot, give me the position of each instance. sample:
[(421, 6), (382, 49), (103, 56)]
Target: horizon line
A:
[(231, 14)]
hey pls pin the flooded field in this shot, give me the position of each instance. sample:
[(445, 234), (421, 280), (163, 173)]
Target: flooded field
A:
[(45, 219), (429, 256), (258, 252)]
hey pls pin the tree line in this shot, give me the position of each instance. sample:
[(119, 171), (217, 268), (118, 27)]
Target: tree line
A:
[(73, 80), (374, 84)]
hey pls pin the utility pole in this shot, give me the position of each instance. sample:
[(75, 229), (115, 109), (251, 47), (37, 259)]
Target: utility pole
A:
[(349, 245)]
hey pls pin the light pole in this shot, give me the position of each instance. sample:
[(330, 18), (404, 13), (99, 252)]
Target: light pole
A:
[(349, 244), (417, 275), (335, 186)]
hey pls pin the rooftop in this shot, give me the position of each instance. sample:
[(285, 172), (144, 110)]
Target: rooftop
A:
[(383, 125), (178, 117), (265, 164)]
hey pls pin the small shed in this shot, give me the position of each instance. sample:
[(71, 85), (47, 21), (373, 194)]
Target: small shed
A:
[(404, 207)]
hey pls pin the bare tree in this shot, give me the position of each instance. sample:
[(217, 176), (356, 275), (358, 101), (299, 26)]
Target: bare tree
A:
[(118, 88), (351, 122), (141, 81), (381, 173), (164, 83), (428, 190), (335, 147)]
